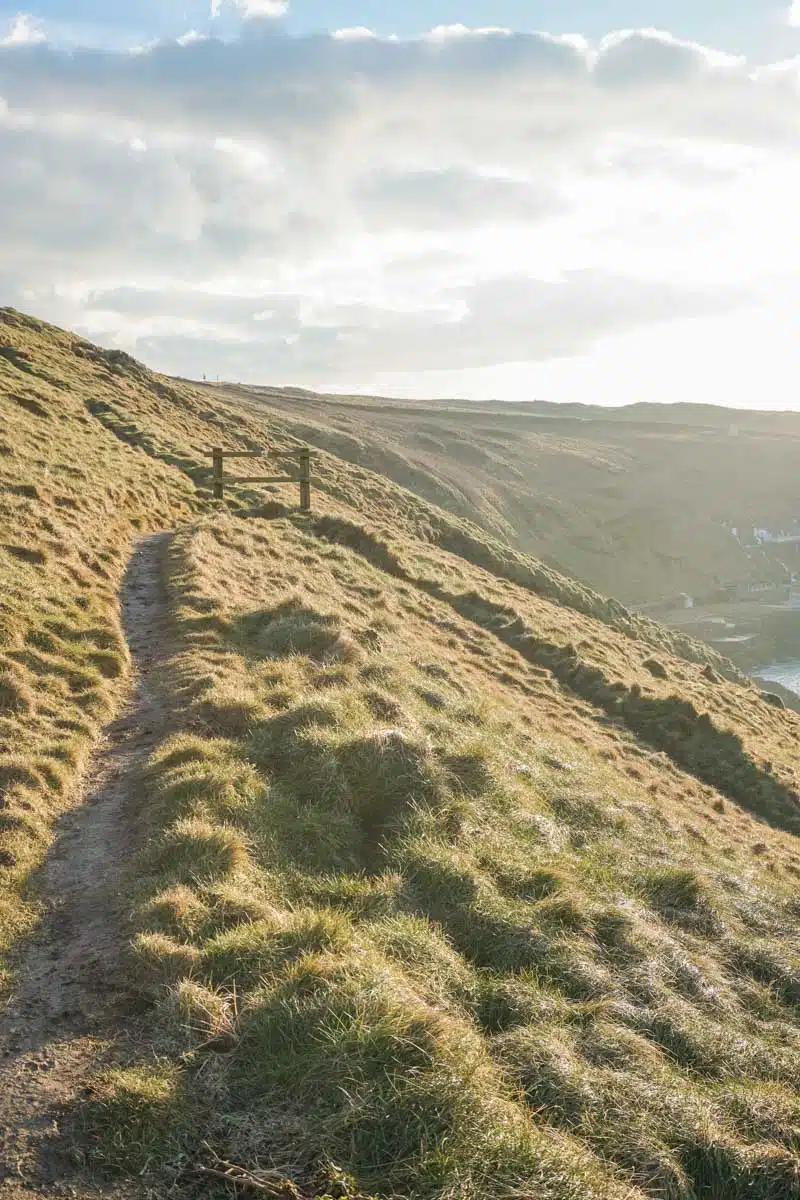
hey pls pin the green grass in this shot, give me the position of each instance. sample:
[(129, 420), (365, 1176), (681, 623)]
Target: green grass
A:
[(458, 953)]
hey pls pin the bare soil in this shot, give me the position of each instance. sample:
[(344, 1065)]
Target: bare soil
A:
[(70, 1009)]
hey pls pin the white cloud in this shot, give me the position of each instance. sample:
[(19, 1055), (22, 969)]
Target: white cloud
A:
[(642, 49), (794, 13), (250, 9), (263, 8), (24, 30), (444, 33), (346, 210), (354, 33), (191, 36)]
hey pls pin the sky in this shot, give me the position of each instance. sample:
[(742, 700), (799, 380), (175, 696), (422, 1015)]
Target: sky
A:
[(566, 201)]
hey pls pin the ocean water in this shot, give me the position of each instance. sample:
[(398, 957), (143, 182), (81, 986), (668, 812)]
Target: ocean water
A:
[(787, 673)]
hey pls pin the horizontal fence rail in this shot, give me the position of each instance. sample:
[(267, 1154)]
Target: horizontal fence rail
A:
[(220, 479)]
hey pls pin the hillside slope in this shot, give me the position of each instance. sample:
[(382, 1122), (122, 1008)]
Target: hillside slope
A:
[(637, 502), (446, 876)]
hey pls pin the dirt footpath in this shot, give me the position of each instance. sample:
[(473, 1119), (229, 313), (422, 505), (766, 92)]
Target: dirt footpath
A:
[(70, 1004)]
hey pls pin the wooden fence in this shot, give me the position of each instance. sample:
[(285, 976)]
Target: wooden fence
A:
[(220, 479)]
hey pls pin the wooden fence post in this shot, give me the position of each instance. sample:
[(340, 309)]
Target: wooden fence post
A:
[(219, 485), (305, 480)]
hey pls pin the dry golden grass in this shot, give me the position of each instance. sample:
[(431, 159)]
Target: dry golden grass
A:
[(72, 499), (456, 880)]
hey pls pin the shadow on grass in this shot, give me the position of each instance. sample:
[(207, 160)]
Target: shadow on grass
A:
[(125, 431), (671, 724), (343, 803), (504, 563)]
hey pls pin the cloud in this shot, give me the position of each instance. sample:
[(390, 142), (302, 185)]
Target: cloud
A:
[(505, 319), (270, 85), (24, 30), (354, 33), (794, 13), (263, 8), (328, 208), (633, 56), (453, 197), (251, 9)]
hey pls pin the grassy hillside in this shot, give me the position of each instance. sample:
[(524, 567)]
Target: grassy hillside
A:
[(72, 500), (637, 502), (452, 879)]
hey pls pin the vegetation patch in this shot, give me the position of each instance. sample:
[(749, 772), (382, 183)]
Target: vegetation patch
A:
[(445, 952), (455, 878)]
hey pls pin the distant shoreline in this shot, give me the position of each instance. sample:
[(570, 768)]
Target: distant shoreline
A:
[(790, 698)]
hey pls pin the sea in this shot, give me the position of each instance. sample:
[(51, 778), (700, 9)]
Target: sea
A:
[(787, 673)]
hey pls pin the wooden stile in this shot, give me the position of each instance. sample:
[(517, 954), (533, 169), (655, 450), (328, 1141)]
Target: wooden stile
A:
[(220, 479), (219, 486), (305, 480)]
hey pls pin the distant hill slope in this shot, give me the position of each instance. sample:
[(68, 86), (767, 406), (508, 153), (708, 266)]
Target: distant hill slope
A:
[(450, 877), (637, 502)]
